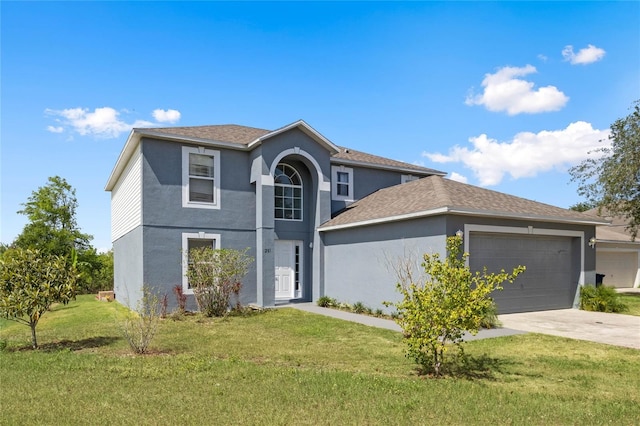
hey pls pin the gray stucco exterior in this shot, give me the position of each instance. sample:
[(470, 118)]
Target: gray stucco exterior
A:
[(151, 254), (350, 263), (357, 260)]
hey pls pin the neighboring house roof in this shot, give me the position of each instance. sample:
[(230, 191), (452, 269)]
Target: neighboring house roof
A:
[(246, 138), (436, 195), (616, 231)]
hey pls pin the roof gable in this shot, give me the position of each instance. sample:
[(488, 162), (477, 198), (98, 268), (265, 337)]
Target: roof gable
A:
[(247, 138), (436, 195)]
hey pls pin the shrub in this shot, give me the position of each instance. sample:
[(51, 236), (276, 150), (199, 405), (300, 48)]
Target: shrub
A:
[(359, 308), (164, 304), (327, 302), (490, 317), (601, 299), (139, 327), (451, 302), (181, 298), (214, 275)]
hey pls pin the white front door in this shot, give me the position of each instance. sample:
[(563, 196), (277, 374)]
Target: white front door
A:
[(288, 268)]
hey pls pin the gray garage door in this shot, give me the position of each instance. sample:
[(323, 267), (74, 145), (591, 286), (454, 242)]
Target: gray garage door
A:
[(551, 278)]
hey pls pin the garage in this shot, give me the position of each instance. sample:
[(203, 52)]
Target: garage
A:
[(551, 278), (618, 267)]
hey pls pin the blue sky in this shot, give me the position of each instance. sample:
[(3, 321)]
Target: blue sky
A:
[(504, 95)]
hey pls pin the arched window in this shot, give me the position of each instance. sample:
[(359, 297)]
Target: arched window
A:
[(288, 193)]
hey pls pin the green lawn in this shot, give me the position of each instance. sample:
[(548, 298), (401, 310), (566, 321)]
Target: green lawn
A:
[(632, 300), (290, 367)]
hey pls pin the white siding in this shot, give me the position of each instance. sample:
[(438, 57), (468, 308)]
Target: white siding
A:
[(126, 198)]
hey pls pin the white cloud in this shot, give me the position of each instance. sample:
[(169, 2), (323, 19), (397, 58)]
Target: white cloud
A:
[(527, 154), (587, 55), (55, 129), (105, 122), (542, 57), (458, 177), (166, 116), (503, 91)]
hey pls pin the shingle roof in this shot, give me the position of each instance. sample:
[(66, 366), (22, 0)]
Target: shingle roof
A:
[(437, 195), (351, 155), (245, 135), (219, 133), (616, 231)]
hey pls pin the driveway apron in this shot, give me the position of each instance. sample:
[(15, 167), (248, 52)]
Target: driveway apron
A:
[(600, 327)]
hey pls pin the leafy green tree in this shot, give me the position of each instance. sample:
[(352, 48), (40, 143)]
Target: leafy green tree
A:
[(96, 271), (612, 182), (30, 282), (582, 206), (451, 301), (215, 275), (52, 228)]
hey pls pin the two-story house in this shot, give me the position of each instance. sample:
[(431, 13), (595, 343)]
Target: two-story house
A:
[(321, 219)]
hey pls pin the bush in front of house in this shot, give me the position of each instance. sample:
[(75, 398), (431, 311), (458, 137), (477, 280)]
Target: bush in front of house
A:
[(327, 302), (601, 299), (215, 275), (435, 314), (140, 326)]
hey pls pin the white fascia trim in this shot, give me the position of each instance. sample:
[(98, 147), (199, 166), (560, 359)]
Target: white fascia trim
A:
[(304, 127), (123, 159), (462, 212), (433, 212), (481, 213), (423, 173)]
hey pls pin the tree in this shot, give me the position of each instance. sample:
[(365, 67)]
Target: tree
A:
[(582, 206), (452, 301), (52, 227), (612, 182), (96, 271), (215, 275), (30, 282)]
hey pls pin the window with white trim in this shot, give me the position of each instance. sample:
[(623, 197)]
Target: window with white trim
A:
[(341, 183), (288, 193), (408, 178), (200, 178), (192, 241)]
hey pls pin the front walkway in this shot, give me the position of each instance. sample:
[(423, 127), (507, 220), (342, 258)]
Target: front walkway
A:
[(599, 327), (387, 323)]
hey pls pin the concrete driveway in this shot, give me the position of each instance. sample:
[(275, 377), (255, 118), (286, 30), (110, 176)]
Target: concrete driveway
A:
[(612, 329)]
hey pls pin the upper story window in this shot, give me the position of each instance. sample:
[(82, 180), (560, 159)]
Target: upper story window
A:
[(342, 183), (288, 193), (200, 178), (408, 178)]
